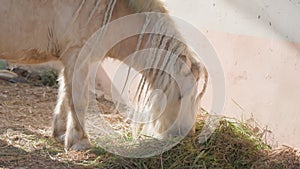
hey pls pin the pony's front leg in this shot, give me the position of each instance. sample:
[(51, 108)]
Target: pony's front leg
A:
[(60, 113), (77, 93)]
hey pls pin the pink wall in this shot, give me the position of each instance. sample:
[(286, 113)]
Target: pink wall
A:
[(263, 77), (254, 41)]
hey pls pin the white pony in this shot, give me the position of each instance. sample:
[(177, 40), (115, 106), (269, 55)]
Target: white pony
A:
[(34, 32)]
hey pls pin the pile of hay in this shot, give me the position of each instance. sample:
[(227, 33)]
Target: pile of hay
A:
[(232, 145)]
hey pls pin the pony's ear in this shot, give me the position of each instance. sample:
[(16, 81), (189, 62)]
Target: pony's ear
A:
[(183, 58), (189, 66), (183, 65), (196, 68)]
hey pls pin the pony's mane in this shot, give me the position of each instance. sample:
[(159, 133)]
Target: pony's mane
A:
[(146, 6)]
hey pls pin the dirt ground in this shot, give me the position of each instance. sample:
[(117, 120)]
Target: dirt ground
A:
[(26, 110), (25, 120)]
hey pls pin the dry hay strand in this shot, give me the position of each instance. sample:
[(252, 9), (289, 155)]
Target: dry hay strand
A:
[(284, 157)]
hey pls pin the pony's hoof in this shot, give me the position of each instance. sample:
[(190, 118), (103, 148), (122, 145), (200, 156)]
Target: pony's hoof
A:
[(83, 144), (60, 138)]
